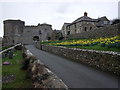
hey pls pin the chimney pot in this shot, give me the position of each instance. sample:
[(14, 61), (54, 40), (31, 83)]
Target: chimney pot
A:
[(85, 14)]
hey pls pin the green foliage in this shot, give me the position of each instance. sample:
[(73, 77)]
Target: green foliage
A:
[(115, 21), (3, 48), (118, 45), (86, 44), (111, 45), (102, 45), (49, 38)]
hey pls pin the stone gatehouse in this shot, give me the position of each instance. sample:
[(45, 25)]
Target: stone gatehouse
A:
[(16, 32)]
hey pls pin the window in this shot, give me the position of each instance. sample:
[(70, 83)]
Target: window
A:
[(75, 25), (105, 22), (75, 30), (40, 32), (68, 33), (69, 28), (85, 29), (13, 41), (90, 28)]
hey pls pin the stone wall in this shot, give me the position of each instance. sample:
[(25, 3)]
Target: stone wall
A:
[(104, 60), (108, 31), (41, 76)]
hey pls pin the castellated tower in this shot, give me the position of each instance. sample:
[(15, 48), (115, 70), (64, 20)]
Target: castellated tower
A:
[(13, 30), (16, 32)]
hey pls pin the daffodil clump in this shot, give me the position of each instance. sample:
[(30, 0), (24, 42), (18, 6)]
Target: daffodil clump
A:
[(109, 42)]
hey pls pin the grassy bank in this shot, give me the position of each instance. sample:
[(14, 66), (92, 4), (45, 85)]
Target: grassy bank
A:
[(20, 80), (3, 48), (103, 44)]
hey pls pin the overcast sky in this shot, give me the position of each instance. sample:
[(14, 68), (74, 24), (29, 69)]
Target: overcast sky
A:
[(55, 12)]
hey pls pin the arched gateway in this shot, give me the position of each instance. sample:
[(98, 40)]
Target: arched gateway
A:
[(35, 38)]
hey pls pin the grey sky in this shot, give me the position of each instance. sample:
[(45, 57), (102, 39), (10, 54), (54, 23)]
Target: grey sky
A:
[(55, 12)]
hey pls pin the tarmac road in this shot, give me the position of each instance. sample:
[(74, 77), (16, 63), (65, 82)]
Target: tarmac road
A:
[(75, 75)]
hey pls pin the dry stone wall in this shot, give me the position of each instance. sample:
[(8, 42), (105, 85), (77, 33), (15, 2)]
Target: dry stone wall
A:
[(41, 76), (105, 60)]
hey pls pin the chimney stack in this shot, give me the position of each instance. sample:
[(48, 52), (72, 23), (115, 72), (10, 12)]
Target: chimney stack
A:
[(85, 14)]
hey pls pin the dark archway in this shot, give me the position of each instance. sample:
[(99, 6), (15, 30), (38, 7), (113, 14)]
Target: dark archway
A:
[(35, 38)]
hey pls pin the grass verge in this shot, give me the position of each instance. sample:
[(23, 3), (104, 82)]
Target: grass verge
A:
[(15, 69)]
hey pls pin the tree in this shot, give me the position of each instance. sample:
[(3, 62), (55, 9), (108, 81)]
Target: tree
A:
[(49, 38), (115, 21)]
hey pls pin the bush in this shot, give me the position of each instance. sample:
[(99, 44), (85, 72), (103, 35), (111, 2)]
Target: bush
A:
[(116, 21), (18, 47), (96, 43), (61, 38), (102, 45), (117, 45), (79, 44), (111, 45), (92, 44), (86, 44)]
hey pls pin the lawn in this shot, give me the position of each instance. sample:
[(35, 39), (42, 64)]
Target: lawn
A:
[(15, 69), (3, 48), (104, 44)]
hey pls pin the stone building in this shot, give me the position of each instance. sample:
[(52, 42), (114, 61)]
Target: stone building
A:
[(64, 29), (16, 32), (41, 32), (83, 24), (57, 35)]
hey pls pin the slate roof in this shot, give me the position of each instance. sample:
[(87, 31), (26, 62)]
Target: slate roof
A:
[(85, 18), (103, 18), (88, 19)]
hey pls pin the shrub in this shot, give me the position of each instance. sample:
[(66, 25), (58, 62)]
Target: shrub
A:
[(61, 38), (102, 45), (92, 44), (79, 44), (96, 43), (115, 21), (111, 45), (86, 44), (117, 45)]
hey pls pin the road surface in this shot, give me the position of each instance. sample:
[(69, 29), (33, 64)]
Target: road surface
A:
[(73, 74)]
